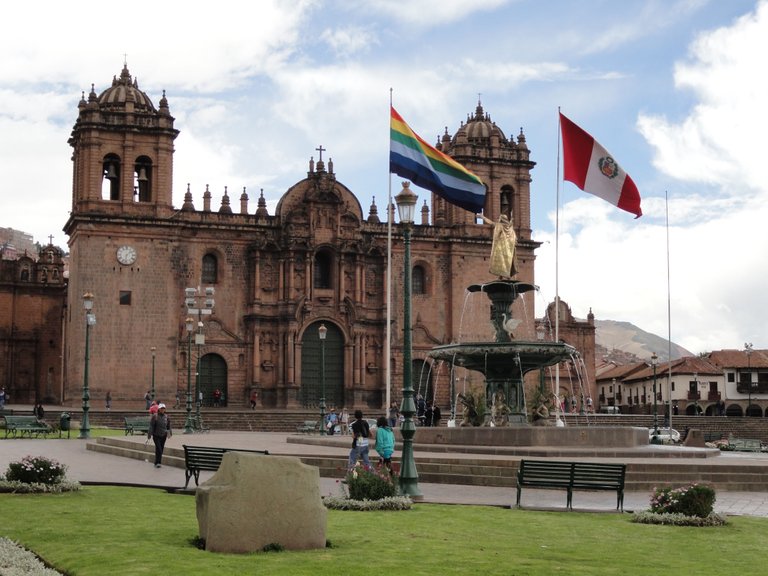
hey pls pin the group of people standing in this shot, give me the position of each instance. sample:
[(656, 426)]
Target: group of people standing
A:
[(383, 441)]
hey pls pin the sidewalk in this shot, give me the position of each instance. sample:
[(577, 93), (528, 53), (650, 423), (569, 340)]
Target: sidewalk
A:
[(88, 466)]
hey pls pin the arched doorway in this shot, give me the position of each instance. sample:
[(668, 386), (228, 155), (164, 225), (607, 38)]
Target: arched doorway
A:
[(322, 358), (212, 376)]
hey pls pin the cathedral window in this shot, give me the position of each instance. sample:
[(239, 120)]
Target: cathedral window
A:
[(418, 280), (25, 274), (322, 270), (125, 297), (210, 269)]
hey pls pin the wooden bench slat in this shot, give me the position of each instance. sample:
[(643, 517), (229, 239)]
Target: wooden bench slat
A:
[(25, 424), (136, 424), (199, 458), (572, 476)]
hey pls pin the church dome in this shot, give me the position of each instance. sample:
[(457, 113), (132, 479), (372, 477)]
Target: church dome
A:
[(124, 90), (480, 128)]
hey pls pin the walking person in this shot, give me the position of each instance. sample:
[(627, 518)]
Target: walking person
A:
[(147, 400), (108, 400), (360, 433), (394, 415), (254, 395), (385, 442), (344, 421), (159, 431)]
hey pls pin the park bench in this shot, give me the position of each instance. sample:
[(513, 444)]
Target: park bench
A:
[(308, 427), (199, 458), (712, 436), (744, 444), (571, 476), (21, 425), (136, 424)]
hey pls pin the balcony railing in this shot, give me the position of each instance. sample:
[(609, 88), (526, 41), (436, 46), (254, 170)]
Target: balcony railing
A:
[(694, 395), (713, 396)]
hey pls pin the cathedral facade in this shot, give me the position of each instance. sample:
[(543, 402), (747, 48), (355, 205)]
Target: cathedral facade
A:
[(273, 280)]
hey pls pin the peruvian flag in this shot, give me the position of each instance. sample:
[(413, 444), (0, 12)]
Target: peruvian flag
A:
[(592, 168)]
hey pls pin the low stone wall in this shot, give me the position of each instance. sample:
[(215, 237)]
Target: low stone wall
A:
[(578, 436)]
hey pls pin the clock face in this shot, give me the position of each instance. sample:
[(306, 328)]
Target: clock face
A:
[(126, 255)]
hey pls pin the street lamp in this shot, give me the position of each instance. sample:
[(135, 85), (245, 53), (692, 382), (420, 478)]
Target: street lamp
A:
[(696, 393), (152, 393), (189, 323), (613, 390), (322, 331), (199, 302), (655, 439), (409, 477), (748, 350), (90, 320), (199, 341)]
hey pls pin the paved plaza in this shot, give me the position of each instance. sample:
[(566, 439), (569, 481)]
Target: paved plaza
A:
[(89, 466)]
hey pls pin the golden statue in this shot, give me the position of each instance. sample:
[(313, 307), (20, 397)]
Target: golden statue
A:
[(503, 247)]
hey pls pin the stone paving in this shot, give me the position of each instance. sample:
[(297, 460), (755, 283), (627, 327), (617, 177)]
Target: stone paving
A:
[(94, 467)]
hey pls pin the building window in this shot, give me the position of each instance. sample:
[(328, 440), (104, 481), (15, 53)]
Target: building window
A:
[(418, 280), (731, 377), (210, 269), (125, 297), (322, 270)]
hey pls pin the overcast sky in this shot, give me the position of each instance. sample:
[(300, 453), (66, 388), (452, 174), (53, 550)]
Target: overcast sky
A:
[(675, 89)]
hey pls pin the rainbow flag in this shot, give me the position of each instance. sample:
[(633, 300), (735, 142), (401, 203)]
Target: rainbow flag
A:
[(412, 158)]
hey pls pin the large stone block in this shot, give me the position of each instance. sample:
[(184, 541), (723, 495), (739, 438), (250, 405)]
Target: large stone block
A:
[(253, 501)]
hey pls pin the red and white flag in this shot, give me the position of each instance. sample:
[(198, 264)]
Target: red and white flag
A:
[(592, 168)]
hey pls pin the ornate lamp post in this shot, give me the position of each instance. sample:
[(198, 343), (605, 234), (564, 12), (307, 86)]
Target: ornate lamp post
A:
[(199, 341), (409, 477), (748, 350), (152, 393), (189, 323), (696, 394), (90, 320), (655, 438), (199, 302), (322, 332)]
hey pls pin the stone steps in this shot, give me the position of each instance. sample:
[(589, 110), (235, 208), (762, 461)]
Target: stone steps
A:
[(499, 472)]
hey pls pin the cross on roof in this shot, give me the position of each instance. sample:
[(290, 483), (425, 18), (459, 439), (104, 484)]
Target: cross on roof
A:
[(321, 150)]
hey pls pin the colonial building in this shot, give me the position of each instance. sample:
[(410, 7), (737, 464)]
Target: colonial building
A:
[(319, 260), (32, 304)]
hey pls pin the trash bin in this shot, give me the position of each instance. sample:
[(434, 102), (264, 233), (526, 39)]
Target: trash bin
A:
[(64, 423)]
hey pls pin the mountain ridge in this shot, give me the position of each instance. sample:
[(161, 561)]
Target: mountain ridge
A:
[(625, 341)]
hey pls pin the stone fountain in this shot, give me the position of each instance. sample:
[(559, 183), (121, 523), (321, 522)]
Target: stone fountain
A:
[(506, 361)]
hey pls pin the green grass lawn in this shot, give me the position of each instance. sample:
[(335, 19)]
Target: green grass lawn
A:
[(126, 531)]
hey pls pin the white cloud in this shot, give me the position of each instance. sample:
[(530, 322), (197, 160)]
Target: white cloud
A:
[(432, 13), (348, 41), (716, 240)]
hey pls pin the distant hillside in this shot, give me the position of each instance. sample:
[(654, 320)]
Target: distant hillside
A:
[(625, 342)]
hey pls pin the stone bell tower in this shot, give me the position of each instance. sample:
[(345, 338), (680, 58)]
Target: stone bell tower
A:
[(122, 154)]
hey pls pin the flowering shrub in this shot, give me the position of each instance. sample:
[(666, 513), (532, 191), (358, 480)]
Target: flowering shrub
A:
[(392, 503), (692, 500), (369, 484), (678, 519), (36, 470), (16, 487)]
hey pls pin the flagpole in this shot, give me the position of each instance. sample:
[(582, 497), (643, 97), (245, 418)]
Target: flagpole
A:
[(388, 340), (669, 315), (557, 269)]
